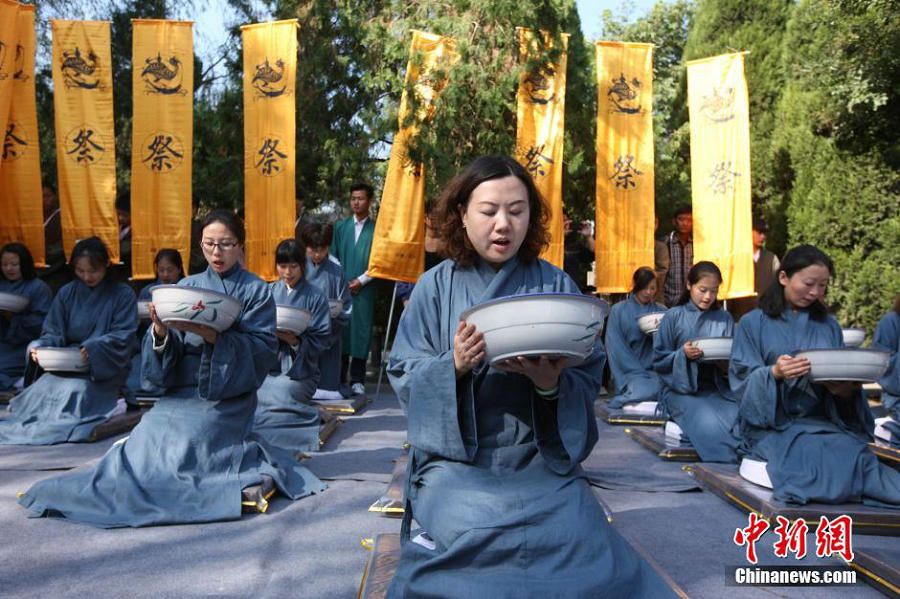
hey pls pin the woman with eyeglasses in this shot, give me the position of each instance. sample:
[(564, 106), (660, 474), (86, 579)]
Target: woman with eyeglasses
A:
[(96, 315), (17, 276), (193, 457), (284, 416)]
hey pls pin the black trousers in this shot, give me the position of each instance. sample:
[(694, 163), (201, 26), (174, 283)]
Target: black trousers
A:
[(356, 366)]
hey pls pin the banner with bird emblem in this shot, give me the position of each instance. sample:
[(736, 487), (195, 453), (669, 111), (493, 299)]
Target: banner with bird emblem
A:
[(540, 128), (719, 113), (398, 245), (270, 71), (625, 173), (20, 169), (161, 141), (85, 134)]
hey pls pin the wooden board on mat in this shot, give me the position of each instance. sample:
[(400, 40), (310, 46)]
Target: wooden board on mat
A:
[(381, 567), (391, 504), (888, 455), (724, 481), (118, 424), (620, 417), (655, 440), (880, 569), (329, 425), (342, 406)]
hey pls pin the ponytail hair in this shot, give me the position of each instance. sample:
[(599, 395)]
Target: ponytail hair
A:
[(772, 303), (697, 272)]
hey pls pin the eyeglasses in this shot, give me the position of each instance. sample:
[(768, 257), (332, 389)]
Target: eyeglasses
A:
[(225, 246)]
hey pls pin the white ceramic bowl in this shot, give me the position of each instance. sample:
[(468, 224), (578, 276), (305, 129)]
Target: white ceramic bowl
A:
[(177, 303), (714, 348), (291, 319), (649, 323), (143, 309), (755, 472), (62, 359), (640, 408), (12, 302), (335, 307), (537, 324), (673, 431), (848, 364), (853, 337)]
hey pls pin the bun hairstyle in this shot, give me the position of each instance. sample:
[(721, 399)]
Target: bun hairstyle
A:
[(772, 303), (642, 278), (26, 262), (94, 250), (317, 235), (697, 272)]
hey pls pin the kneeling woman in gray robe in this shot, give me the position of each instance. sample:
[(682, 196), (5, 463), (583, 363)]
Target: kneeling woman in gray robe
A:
[(284, 416), (494, 477), (193, 455), (813, 437), (97, 315)]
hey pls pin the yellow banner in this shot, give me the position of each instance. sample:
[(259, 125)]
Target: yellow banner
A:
[(625, 173), (161, 141), (398, 245), (9, 27), (85, 135), (20, 168), (720, 169), (540, 133), (270, 71)]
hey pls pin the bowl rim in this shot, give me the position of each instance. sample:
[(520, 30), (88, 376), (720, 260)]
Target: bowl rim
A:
[(709, 338), (843, 349), (521, 296), (304, 310), (193, 288), (663, 312)]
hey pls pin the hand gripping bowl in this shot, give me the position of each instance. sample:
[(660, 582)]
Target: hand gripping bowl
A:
[(177, 303), (291, 319), (12, 302), (847, 364), (649, 323), (143, 309), (853, 337), (714, 348), (335, 307), (62, 359), (539, 324)]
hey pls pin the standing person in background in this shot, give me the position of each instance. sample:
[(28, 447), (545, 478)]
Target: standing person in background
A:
[(352, 244), (56, 274), (578, 251), (765, 268), (680, 243), (660, 262), (328, 276)]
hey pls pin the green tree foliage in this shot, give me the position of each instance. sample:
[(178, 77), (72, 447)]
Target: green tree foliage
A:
[(837, 132), (757, 26), (667, 27)]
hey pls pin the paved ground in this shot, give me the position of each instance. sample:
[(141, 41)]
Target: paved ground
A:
[(311, 548)]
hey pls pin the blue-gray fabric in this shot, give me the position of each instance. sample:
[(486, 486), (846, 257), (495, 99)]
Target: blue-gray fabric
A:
[(284, 416), (814, 443), (329, 278), (630, 353), (494, 475), (194, 451), (887, 336), (20, 329), (65, 407), (694, 394), (138, 385)]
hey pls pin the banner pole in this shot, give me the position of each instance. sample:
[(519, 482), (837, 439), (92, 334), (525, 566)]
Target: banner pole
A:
[(387, 336)]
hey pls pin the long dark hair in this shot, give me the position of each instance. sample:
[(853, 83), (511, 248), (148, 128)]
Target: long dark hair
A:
[(641, 278), (173, 256), (455, 198), (26, 262), (772, 303), (292, 250), (697, 272)]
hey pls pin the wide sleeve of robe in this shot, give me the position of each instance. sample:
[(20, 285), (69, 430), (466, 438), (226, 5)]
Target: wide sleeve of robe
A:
[(110, 351), (53, 333), (314, 339), (440, 408), (343, 319), (887, 336), (238, 362), (25, 327), (751, 378), (162, 369), (623, 360), (669, 360)]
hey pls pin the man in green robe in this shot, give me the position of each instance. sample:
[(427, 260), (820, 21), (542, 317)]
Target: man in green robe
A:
[(352, 243)]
